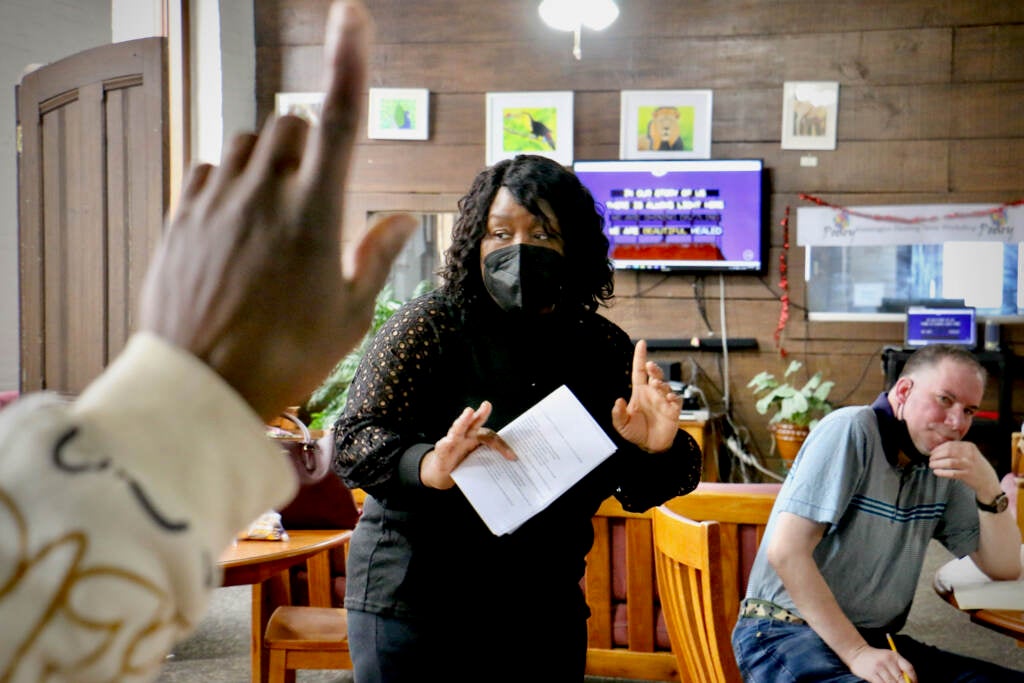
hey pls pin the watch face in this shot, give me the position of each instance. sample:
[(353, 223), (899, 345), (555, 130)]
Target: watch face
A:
[(998, 505)]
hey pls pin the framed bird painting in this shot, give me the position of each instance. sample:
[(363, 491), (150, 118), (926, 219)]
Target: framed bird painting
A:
[(529, 123), (399, 113)]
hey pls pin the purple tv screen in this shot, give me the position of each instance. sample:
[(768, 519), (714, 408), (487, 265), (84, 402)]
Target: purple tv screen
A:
[(940, 326), (688, 215)]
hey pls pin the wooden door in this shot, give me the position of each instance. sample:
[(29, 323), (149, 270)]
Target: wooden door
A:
[(92, 193)]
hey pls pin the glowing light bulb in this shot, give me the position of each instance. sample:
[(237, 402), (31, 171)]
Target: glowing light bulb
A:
[(572, 15)]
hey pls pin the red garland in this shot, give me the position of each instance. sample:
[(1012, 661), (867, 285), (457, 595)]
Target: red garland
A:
[(909, 221), (783, 257), (784, 284)]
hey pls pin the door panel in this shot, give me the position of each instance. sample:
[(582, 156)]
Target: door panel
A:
[(92, 192)]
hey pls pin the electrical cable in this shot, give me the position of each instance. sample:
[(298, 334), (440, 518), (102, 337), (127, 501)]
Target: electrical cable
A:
[(732, 443), (644, 293), (725, 342), (701, 301), (864, 373)]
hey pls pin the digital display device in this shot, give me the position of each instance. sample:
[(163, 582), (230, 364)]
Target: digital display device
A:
[(941, 326), (681, 215)]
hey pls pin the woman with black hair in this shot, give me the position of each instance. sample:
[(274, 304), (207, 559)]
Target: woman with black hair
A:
[(431, 592)]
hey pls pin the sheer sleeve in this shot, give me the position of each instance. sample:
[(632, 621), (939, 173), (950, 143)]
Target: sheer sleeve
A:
[(384, 430)]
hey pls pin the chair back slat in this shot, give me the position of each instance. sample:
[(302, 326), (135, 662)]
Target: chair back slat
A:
[(693, 580)]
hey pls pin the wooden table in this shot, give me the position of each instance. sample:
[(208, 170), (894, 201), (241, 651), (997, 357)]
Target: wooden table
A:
[(964, 572), (265, 565)]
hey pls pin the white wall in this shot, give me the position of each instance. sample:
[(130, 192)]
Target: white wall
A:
[(238, 66), (223, 74), (131, 19), (31, 32), (42, 31)]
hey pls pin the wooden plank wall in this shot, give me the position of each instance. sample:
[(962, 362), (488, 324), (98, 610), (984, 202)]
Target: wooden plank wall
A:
[(930, 101)]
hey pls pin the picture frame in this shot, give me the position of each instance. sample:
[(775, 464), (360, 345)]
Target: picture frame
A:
[(810, 111), (308, 105), (530, 123), (665, 124), (398, 114)]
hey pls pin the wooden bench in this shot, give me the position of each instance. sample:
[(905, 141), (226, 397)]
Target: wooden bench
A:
[(620, 583)]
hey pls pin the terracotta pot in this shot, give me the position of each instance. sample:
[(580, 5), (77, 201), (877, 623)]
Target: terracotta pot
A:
[(788, 439)]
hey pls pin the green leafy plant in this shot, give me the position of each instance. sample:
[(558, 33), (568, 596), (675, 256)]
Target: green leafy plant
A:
[(803, 407), (325, 404)]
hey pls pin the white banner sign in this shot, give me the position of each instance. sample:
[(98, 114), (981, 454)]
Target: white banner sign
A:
[(858, 226)]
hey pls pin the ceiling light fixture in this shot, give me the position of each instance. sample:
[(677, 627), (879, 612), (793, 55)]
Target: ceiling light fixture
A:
[(573, 15)]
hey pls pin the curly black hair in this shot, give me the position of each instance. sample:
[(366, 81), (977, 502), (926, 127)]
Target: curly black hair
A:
[(589, 280)]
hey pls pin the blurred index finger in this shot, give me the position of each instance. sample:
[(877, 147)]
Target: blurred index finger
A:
[(345, 55)]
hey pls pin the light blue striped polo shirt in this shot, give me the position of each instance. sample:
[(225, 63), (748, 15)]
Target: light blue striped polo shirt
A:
[(881, 519)]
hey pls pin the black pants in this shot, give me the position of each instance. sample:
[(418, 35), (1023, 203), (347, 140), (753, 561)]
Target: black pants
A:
[(532, 645)]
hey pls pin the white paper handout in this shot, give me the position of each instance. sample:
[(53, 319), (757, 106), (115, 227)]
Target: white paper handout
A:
[(557, 443), (974, 590)]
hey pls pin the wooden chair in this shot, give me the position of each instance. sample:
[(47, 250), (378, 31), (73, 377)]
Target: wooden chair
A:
[(1013, 482), (740, 509), (303, 637), (691, 582)]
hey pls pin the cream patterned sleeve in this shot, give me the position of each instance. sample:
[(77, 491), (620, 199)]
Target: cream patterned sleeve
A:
[(114, 508)]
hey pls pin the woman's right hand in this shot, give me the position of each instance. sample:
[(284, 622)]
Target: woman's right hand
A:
[(463, 437)]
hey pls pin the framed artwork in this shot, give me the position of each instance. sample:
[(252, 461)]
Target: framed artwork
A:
[(529, 122), (305, 104), (399, 113), (665, 124), (809, 113)]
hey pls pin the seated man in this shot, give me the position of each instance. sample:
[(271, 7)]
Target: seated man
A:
[(842, 553)]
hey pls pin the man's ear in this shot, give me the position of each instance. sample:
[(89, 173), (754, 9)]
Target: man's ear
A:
[(900, 392)]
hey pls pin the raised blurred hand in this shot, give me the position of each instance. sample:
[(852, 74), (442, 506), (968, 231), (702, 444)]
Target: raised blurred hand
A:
[(249, 276)]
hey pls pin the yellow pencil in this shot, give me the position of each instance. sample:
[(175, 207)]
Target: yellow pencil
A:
[(893, 646)]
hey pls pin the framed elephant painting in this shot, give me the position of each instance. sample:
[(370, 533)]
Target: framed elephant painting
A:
[(809, 113)]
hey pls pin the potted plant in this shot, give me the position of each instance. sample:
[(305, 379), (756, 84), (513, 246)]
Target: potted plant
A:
[(794, 411), (325, 404)]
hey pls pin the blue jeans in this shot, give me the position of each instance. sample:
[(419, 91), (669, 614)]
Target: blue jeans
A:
[(769, 651)]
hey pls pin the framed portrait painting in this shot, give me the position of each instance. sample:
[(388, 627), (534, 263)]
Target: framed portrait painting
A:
[(665, 124), (305, 104), (530, 122), (398, 113), (809, 113)]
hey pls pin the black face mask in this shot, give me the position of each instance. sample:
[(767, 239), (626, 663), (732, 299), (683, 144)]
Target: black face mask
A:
[(524, 278)]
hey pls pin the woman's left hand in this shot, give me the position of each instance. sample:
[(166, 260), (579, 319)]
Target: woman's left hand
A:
[(651, 418)]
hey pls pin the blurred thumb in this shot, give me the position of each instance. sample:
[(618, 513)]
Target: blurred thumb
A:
[(372, 259)]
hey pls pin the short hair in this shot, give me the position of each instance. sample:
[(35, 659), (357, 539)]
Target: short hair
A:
[(931, 355), (589, 274)]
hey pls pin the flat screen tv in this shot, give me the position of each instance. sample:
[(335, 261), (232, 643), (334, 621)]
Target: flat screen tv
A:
[(685, 215)]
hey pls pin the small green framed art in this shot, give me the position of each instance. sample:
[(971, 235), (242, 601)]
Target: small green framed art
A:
[(399, 113)]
